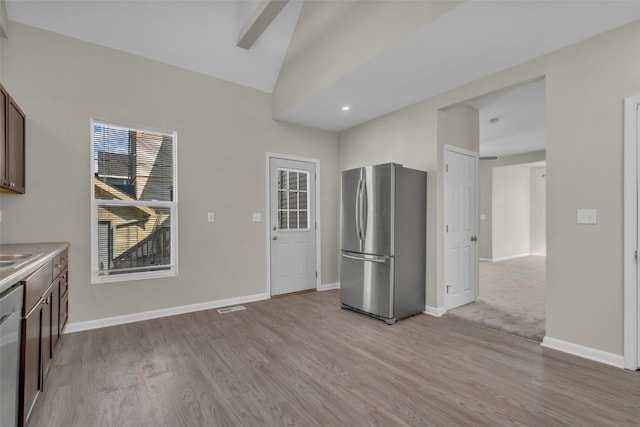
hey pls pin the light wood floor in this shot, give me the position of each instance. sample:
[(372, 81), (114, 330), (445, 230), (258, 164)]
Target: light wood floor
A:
[(302, 361)]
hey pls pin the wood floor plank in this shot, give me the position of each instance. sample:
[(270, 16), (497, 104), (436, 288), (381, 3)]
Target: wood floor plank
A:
[(302, 361)]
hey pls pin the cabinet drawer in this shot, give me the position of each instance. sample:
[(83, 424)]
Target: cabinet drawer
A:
[(36, 285), (60, 262), (64, 282), (64, 312)]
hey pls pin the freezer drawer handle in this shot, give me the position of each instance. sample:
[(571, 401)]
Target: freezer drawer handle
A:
[(357, 258)]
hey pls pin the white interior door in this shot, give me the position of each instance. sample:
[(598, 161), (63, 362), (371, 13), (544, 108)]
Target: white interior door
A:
[(293, 228), (461, 212), (637, 237)]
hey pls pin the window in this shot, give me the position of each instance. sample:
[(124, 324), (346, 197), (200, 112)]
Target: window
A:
[(133, 208), (293, 192)]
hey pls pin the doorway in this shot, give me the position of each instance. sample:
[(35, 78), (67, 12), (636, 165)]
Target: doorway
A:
[(512, 215), (631, 233), (292, 207)]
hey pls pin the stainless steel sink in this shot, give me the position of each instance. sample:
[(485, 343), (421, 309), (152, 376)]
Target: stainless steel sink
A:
[(16, 260), (13, 257)]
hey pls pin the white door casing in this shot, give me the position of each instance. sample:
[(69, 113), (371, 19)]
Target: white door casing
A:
[(292, 222), (461, 215), (631, 233)]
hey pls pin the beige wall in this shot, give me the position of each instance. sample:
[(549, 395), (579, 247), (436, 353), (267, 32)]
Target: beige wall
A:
[(223, 132), (511, 211), (485, 177), (585, 86), (538, 211), (360, 30)]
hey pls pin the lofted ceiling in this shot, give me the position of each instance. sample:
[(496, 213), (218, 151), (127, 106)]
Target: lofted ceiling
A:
[(472, 40), (199, 36), (512, 121)]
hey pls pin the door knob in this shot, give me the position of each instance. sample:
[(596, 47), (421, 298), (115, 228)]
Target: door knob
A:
[(274, 238), (474, 238)]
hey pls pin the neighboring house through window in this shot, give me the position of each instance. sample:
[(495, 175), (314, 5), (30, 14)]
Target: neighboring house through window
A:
[(134, 204)]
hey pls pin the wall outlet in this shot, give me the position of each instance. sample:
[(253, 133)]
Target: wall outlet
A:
[(211, 216), (257, 217), (587, 216)]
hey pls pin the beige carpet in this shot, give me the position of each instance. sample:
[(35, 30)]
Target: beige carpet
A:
[(512, 297)]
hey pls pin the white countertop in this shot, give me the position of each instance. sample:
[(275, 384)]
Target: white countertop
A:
[(10, 276)]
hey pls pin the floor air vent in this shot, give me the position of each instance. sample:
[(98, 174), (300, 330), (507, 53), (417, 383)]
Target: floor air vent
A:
[(231, 309)]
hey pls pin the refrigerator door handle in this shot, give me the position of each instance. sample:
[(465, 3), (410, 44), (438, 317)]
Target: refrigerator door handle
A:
[(364, 210), (358, 196), (358, 258)]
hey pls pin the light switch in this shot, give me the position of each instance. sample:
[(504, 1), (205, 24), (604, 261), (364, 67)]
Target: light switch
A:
[(587, 216), (211, 216), (257, 217), (483, 217)]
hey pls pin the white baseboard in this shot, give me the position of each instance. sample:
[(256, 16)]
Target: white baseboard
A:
[(538, 254), (163, 312), (504, 258), (329, 286), (584, 352), (435, 311), (485, 259)]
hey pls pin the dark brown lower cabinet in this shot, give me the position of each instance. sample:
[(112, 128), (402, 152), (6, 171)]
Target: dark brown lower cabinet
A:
[(30, 367), (45, 315)]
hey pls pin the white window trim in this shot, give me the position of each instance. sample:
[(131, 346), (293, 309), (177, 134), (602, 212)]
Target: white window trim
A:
[(295, 210), (173, 205)]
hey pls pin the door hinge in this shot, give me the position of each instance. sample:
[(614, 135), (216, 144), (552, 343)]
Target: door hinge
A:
[(635, 255), (447, 228), (447, 167), (316, 274), (448, 286), (316, 225)]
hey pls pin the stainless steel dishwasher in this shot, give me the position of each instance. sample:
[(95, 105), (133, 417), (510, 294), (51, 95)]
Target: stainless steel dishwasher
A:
[(10, 312)]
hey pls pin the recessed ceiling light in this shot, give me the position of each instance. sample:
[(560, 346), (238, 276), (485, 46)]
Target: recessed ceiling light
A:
[(345, 108)]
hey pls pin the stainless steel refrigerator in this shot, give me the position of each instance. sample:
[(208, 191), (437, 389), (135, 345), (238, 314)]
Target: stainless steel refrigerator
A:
[(383, 241)]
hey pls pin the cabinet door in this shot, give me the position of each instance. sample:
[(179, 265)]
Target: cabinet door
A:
[(47, 335), (4, 181), (31, 375), (55, 314), (15, 147), (64, 311)]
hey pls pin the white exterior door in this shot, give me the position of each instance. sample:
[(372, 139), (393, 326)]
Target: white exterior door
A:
[(461, 213), (293, 228)]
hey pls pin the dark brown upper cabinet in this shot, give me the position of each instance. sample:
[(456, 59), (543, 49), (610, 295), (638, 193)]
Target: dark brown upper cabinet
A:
[(12, 145)]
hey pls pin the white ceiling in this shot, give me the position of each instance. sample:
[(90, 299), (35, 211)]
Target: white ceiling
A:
[(471, 41), (196, 35), (521, 120)]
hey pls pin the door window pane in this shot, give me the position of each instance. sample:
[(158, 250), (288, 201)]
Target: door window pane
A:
[(282, 179), (303, 220), (293, 200), (293, 220), (302, 200), (293, 180), (282, 199), (282, 220)]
